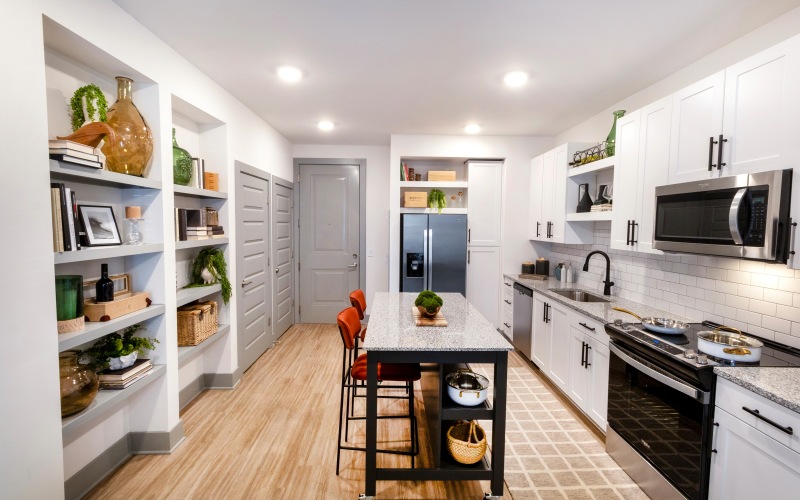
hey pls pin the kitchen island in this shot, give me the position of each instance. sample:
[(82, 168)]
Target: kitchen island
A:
[(468, 338)]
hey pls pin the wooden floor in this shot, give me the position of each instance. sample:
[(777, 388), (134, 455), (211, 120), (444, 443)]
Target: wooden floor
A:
[(274, 436)]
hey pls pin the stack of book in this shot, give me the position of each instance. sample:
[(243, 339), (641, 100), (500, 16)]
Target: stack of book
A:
[(602, 207), (122, 378), (74, 153), (64, 211), (193, 224)]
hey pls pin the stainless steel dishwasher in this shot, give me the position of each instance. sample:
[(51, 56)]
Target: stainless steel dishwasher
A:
[(523, 314)]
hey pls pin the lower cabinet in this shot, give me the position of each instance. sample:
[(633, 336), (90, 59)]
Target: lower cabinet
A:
[(588, 375), (507, 309), (541, 333), (558, 317), (483, 268)]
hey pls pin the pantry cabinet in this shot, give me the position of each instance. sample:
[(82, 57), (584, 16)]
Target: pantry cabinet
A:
[(485, 186)]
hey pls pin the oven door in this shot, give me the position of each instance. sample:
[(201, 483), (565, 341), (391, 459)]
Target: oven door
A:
[(664, 419)]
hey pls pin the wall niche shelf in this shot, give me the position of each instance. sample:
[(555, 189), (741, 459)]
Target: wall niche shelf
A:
[(95, 330), (208, 242), (433, 184), (409, 210), (589, 216), (66, 171), (186, 295), (187, 353), (95, 253), (595, 167), (199, 193)]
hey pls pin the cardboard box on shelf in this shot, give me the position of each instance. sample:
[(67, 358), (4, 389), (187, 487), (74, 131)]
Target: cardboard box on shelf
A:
[(415, 199), (441, 175)]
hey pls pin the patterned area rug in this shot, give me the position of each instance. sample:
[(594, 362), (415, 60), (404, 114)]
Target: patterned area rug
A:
[(549, 453)]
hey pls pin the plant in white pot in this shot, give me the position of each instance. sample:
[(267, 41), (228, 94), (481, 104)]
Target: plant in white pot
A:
[(117, 351)]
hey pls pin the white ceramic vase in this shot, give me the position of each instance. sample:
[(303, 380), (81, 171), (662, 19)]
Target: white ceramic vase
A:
[(123, 361)]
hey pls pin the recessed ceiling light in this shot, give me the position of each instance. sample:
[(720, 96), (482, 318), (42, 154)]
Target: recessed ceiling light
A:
[(325, 125), (289, 74), (472, 128), (515, 78)]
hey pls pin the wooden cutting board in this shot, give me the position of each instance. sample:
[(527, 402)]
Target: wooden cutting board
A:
[(420, 320)]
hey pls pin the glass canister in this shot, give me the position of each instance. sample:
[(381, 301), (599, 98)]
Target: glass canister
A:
[(181, 163), (69, 303), (79, 383), (132, 148)]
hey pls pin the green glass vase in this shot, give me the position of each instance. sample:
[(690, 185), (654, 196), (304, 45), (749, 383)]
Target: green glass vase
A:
[(181, 163), (611, 140)]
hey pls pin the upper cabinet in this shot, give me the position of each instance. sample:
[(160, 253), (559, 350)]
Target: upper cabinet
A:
[(485, 187), (741, 120)]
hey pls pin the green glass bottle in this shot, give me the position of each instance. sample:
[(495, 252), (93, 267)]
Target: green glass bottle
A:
[(181, 163), (611, 140)]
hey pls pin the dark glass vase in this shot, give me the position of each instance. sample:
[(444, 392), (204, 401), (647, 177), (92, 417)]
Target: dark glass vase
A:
[(181, 163), (611, 140), (131, 149), (79, 384)]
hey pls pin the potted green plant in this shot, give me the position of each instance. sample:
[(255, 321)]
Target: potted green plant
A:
[(88, 105), (428, 303), (208, 268), (117, 351), (436, 199)]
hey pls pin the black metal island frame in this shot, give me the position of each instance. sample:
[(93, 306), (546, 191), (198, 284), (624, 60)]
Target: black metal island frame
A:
[(468, 338)]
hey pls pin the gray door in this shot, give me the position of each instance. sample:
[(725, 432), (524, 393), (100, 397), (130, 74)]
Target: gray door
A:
[(329, 240), (282, 256), (252, 265)]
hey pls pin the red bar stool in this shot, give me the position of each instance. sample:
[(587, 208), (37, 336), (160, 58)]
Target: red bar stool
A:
[(358, 301), (408, 373)]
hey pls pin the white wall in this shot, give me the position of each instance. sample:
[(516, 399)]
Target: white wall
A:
[(377, 206), (517, 152), (31, 463)]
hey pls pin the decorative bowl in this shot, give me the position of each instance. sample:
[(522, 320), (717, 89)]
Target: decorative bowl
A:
[(424, 312)]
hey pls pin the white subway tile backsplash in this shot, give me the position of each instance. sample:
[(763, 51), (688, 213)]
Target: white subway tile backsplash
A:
[(763, 299)]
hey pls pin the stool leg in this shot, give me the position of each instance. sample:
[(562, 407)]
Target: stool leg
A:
[(347, 411), (341, 404), (411, 420)]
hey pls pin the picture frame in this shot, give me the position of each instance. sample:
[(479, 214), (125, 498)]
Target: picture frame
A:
[(99, 225)]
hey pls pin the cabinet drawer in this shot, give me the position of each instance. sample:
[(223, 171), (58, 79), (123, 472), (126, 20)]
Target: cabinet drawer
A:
[(590, 327), (734, 399), (507, 323), (508, 289)]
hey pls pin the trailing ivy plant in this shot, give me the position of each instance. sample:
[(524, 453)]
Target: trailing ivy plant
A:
[(213, 260), (436, 199), (116, 345), (93, 94)]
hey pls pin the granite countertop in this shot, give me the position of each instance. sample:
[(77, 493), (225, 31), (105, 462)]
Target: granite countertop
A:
[(392, 328), (781, 385), (600, 311)]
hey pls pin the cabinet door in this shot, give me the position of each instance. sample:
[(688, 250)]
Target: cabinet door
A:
[(597, 388), (696, 117), (558, 186), (485, 191), (542, 339), (507, 309), (547, 193), (653, 169), (761, 109), (536, 224), (578, 373), (560, 345), (750, 464), (625, 179), (483, 282)]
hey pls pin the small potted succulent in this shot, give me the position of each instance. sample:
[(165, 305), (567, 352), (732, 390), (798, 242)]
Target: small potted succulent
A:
[(428, 303), (117, 351)]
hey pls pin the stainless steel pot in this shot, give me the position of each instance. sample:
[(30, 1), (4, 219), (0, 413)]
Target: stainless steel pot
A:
[(467, 388), (732, 346), (666, 326)]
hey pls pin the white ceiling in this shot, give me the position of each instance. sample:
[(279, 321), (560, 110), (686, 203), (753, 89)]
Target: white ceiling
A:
[(381, 67)]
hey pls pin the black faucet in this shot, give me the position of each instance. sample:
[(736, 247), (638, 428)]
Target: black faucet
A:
[(608, 282)]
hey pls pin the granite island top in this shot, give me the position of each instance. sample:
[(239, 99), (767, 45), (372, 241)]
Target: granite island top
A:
[(781, 385), (600, 311), (392, 327)]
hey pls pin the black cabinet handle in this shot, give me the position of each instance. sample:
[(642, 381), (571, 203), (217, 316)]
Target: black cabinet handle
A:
[(549, 229), (468, 257), (469, 235), (587, 357), (583, 353), (719, 153), (758, 415), (628, 234), (587, 326), (537, 228), (507, 301), (506, 284), (634, 225), (711, 143), (507, 325)]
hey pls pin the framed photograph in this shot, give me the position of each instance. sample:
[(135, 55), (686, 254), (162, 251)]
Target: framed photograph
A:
[(99, 225)]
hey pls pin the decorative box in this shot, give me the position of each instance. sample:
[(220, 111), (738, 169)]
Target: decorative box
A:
[(106, 311), (211, 181), (442, 175), (415, 199)]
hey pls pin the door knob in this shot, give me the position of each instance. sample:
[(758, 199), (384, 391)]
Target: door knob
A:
[(245, 283), (353, 265), (276, 270)]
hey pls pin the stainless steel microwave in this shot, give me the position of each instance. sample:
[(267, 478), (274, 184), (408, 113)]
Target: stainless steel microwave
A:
[(744, 216)]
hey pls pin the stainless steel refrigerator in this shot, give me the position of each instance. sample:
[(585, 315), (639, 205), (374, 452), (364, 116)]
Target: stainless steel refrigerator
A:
[(433, 253)]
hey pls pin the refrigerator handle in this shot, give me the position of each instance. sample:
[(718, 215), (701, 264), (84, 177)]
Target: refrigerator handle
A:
[(425, 259), (430, 259)]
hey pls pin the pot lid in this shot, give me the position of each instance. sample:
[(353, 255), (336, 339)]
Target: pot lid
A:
[(467, 380)]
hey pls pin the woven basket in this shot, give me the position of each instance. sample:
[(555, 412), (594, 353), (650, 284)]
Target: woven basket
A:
[(466, 442), (196, 323)]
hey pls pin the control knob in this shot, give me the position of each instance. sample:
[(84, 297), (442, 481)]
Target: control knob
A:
[(689, 354), (702, 359)]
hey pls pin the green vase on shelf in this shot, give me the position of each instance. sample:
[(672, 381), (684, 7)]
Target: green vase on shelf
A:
[(611, 140), (181, 163), (132, 148)]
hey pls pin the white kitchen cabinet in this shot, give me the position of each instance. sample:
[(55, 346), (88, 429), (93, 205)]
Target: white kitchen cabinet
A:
[(485, 187), (558, 320), (642, 164), (535, 218), (483, 284), (588, 372), (753, 105), (547, 193), (542, 334), (747, 463), (507, 309)]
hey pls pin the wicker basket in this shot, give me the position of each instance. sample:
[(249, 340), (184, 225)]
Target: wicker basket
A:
[(196, 323), (466, 442)]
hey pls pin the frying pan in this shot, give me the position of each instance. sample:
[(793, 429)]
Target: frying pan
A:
[(666, 326)]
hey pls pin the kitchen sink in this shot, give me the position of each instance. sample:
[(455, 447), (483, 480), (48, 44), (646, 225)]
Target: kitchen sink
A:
[(579, 296)]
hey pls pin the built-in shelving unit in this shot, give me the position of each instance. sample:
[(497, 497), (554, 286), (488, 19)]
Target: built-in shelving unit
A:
[(589, 216), (595, 167), (433, 210), (61, 171), (186, 295), (595, 174), (94, 331), (199, 193), (187, 353), (450, 188), (110, 252), (208, 242)]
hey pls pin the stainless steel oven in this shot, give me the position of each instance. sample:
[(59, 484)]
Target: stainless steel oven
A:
[(743, 216), (658, 425)]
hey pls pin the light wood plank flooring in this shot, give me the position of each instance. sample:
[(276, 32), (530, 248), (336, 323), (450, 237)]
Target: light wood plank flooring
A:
[(274, 436)]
